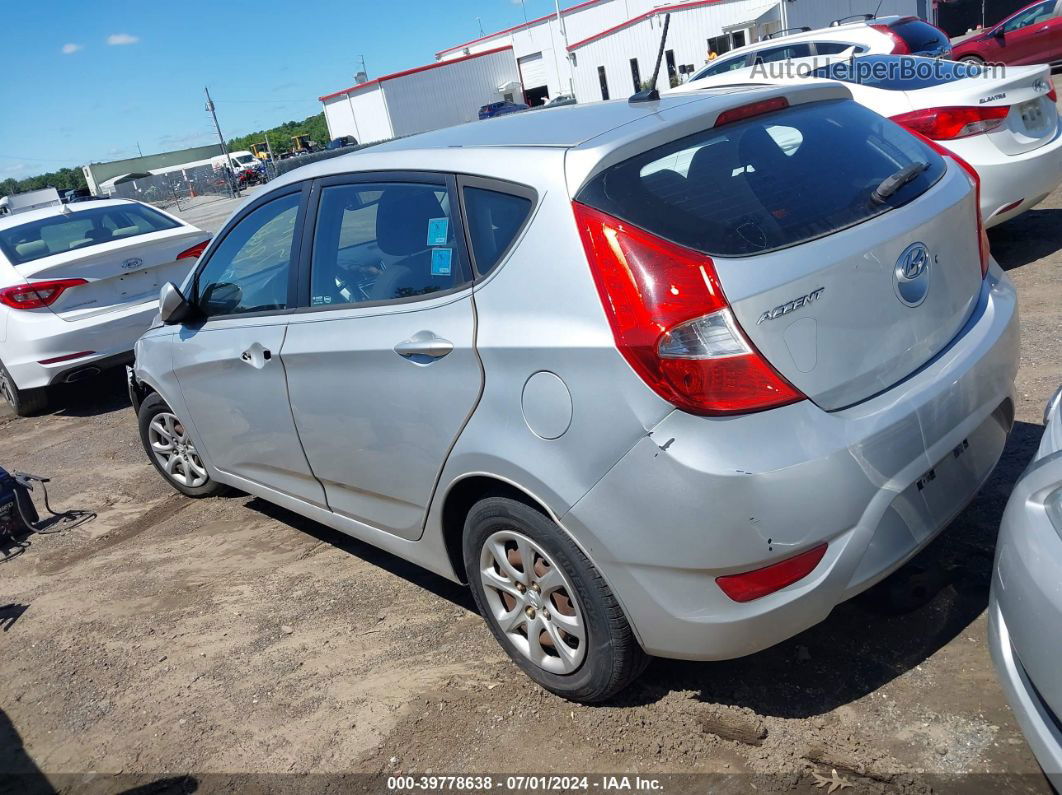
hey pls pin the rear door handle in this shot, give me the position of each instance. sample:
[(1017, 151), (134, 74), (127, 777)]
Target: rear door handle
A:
[(423, 347)]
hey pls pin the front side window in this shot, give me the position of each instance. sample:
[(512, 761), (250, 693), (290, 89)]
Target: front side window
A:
[(1030, 16), (721, 66), (383, 242), (80, 229), (494, 219), (249, 270)]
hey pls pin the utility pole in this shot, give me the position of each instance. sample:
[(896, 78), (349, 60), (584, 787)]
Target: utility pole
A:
[(480, 21), (233, 185), (138, 149), (567, 55), (272, 162)]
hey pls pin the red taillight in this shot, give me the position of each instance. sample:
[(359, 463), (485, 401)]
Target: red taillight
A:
[(195, 251), (750, 110), (899, 46), (947, 124), (755, 584), (673, 324), (975, 180), (1053, 93), (36, 294)]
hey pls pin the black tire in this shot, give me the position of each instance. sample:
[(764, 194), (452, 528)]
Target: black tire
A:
[(24, 402), (612, 657), (152, 406), (973, 59)]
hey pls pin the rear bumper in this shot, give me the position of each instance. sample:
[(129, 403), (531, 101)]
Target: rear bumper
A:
[(34, 336), (701, 497), (1029, 177)]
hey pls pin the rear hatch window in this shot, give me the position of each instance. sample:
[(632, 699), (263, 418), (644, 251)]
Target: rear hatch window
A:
[(81, 229), (920, 36), (768, 182)]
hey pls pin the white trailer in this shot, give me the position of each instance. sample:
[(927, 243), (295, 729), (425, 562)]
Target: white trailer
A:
[(425, 98)]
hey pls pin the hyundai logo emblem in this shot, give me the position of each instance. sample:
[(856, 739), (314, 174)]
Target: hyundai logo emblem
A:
[(912, 274), (132, 263), (1040, 85)]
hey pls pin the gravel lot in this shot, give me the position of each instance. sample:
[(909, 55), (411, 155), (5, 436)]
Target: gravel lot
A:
[(226, 636)]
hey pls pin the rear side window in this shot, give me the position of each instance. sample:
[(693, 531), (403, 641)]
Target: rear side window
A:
[(836, 47), (766, 183), (384, 241), (920, 36), (897, 72), (81, 229), (783, 53), (494, 219)]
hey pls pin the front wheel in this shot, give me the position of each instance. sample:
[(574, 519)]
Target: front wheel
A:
[(24, 402), (546, 604), (171, 450), (973, 60)]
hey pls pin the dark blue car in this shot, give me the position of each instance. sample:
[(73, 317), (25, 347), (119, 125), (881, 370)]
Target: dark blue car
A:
[(500, 108)]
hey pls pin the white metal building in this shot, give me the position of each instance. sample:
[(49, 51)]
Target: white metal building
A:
[(425, 98), (599, 47)]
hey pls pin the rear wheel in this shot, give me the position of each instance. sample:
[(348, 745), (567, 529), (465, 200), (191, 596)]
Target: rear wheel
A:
[(976, 60), (25, 402), (172, 451), (546, 604)]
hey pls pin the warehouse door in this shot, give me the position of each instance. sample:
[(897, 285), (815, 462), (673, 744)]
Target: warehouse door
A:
[(533, 74)]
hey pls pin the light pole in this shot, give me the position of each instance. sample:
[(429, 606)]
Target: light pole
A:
[(234, 186)]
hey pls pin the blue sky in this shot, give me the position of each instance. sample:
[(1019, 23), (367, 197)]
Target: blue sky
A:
[(86, 80)]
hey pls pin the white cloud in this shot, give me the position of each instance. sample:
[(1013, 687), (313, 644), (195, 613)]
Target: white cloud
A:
[(117, 39), (71, 48)]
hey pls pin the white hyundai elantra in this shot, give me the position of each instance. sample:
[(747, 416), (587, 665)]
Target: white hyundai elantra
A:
[(78, 284), (1003, 121)]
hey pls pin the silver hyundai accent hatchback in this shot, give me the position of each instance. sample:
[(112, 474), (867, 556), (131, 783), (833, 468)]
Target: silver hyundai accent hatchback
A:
[(667, 378)]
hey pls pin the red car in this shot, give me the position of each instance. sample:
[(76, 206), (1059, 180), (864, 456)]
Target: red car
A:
[(1031, 35)]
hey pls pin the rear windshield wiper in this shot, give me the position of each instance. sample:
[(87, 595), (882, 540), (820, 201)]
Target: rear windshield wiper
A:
[(894, 182)]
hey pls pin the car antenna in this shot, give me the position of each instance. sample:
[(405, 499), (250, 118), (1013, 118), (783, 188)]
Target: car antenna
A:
[(651, 94)]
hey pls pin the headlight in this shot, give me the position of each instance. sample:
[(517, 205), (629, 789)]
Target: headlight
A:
[(1052, 404)]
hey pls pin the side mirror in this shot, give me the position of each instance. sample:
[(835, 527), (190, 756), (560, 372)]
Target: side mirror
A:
[(173, 306), (997, 32)]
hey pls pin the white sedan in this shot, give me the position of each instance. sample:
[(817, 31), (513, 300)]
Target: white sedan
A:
[(79, 283), (1002, 120)]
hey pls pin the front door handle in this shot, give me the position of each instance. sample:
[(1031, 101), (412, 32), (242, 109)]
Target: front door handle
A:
[(424, 347), (256, 356)]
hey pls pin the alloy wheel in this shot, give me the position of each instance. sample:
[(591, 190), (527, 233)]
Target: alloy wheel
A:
[(175, 452), (533, 602)]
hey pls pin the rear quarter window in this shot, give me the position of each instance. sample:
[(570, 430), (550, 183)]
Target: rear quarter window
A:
[(766, 183), (494, 220)]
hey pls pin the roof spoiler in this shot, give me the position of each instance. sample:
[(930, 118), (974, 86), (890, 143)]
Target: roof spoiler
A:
[(785, 32), (852, 18)]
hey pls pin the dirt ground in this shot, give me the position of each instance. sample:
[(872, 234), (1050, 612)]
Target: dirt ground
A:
[(175, 637)]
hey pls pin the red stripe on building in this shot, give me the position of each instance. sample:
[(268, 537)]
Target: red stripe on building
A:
[(530, 24), (641, 17), (413, 71)]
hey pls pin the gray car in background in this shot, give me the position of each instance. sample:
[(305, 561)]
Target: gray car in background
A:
[(1025, 606), (663, 378)]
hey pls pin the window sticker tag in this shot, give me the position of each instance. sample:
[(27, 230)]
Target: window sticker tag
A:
[(440, 261), (438, 231)]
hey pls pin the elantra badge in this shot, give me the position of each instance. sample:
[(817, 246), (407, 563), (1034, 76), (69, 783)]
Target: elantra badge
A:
[(911, 276)]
